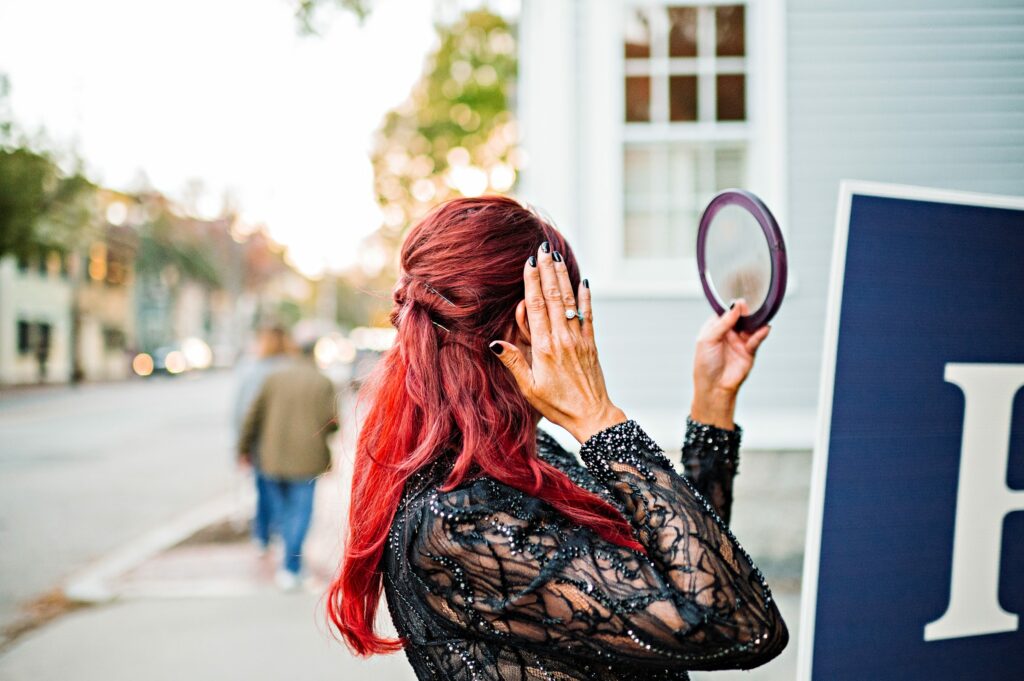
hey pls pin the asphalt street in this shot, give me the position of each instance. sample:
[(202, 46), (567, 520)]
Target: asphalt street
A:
[(85, 470)]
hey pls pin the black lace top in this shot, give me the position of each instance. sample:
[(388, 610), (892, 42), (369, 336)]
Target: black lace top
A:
[(485, 582)]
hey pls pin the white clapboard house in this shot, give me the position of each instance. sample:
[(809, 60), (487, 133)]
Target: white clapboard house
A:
[(633, 114)]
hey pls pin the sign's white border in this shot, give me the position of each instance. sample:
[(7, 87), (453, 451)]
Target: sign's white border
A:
[(812, 549)]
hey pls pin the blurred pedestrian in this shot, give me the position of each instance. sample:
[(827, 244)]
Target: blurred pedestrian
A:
[(271, 355), (288, 424)]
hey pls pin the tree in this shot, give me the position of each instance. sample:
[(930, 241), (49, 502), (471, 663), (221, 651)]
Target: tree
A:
[(170, 242), (455, 134), (6, 119), (42, 207), (306, 11)]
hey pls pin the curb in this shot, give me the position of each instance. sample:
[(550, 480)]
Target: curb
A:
[(95, 584)]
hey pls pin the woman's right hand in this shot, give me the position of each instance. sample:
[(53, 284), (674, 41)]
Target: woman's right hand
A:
[(565, 382), (721, 363)]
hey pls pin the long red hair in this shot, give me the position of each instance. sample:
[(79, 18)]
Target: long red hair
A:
[(440, 388)]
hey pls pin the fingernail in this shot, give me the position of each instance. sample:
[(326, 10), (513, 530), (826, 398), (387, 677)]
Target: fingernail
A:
[(532, 260), (586, 282), (496, 347), (546, 247), (557, 256), (732, 305)]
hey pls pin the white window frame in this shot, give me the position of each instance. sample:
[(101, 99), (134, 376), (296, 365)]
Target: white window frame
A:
[(602, 88)]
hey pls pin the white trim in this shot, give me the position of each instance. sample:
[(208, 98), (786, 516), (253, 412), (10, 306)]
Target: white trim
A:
[(915, 193), (764, 430), (819, 466), (686, 66), (547, 66), (763, 134), (682, 3), (601, 200), (704, 131), (768, 161)]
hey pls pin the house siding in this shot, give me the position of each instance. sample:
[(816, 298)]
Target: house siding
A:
[(929, 93)]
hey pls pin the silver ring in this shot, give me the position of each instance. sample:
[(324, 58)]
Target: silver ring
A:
[(574, 314)]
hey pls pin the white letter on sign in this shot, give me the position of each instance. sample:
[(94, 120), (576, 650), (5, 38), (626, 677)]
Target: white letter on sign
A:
[(982, 501)]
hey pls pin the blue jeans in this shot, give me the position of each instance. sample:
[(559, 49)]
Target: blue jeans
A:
[(263, 521), (291, 504)]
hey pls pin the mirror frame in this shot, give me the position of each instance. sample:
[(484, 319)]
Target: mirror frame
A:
[(777, 254)]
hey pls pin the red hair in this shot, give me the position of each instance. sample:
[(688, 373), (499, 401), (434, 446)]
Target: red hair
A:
[(441, 388)]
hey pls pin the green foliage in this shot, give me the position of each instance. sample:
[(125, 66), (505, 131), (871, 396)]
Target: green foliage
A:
[(359, 303), (306, 12), (170, 243), (6, 122), (455, 135), (288, 313), (41, 207)]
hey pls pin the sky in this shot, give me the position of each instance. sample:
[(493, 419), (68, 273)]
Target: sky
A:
[(226, 93)]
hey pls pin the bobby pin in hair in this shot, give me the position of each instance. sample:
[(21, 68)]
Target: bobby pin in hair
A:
[(438, 294)]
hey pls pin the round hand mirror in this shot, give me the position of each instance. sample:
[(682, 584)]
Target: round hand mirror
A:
[(741, 254)]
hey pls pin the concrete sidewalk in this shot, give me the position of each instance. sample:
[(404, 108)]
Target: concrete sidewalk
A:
[(264, 636), (209, 611)]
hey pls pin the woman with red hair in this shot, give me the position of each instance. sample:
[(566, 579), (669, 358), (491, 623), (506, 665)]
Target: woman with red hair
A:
[(502, 556)]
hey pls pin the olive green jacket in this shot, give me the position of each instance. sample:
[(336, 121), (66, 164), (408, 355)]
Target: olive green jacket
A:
[(289, 422)]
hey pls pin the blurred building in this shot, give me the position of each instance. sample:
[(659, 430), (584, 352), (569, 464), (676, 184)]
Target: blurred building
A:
[(144, 278), (634, 114), (104, 305), (69, 316), (35, 320), (188, 288), (204, 280)]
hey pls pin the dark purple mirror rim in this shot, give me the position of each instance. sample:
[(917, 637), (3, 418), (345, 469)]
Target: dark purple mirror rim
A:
[(777, 250)]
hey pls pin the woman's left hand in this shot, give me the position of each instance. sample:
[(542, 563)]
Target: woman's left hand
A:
[(722, 361)]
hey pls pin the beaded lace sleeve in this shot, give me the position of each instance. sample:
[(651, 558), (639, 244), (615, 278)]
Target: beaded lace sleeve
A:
[(711, 461), (494, 563)]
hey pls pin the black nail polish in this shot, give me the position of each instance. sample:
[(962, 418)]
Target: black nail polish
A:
[(586, 282), (546, 247), (732, 305), (557, 256), (532, 260), (496, 347)]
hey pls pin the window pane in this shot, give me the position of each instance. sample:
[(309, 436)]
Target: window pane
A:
[(732, 98), (683, 233), (729, 23), (682, 37), (638, 175), (729, 168), (666, 186), (638, 35), (645, 235), (682, 93), (638, 98), (24, 337), (683, 176)]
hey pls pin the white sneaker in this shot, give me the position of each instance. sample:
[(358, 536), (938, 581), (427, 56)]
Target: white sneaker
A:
[(287, 581)]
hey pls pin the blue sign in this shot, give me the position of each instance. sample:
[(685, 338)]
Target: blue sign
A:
[(915, 557)]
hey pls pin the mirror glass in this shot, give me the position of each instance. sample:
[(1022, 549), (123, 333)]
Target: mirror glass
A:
[(738, 261)]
